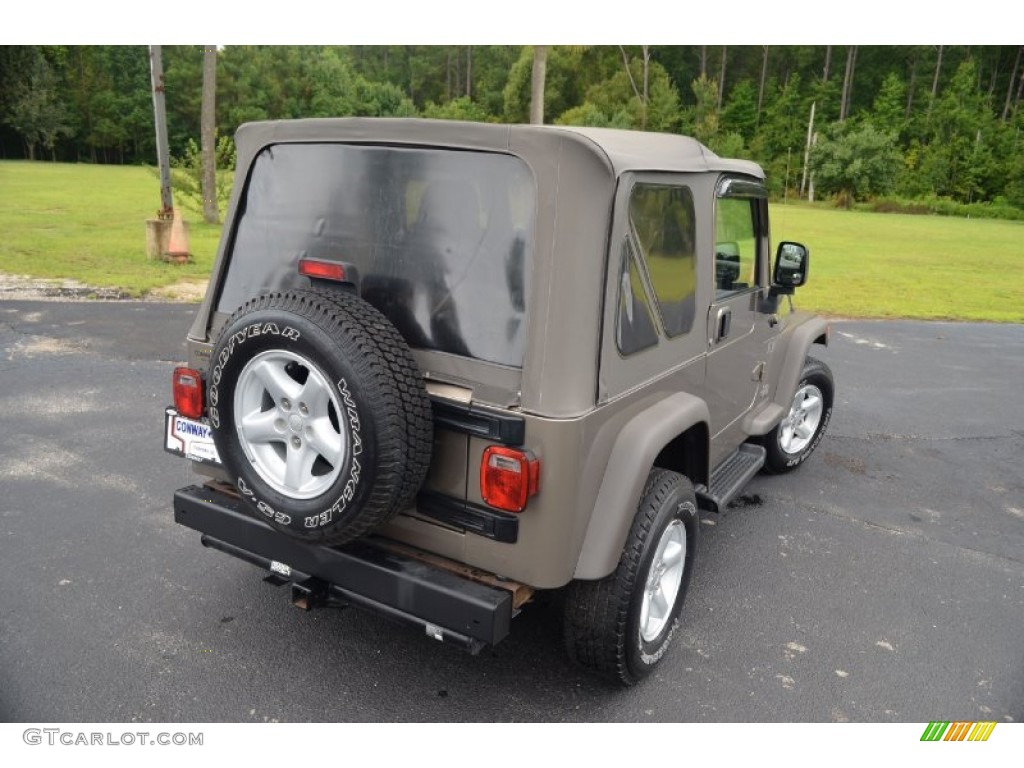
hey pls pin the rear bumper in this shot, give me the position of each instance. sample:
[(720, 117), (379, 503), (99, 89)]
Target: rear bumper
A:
[(365, 572)]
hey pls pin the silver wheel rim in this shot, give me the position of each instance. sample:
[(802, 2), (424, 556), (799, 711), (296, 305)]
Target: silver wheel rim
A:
[(664, 580), (287, 418), (797, 430)]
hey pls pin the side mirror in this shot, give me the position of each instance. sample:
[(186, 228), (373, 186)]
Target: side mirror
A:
[(727, 265), (791, 263)]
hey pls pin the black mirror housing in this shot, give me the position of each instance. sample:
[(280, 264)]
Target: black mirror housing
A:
[(792, 261)]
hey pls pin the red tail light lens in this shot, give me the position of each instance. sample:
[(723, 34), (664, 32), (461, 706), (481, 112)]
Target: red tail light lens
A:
[(508, 477), (188, 392)]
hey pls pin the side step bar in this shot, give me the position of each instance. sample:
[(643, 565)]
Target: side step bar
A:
[(731, 477), (363, 572)]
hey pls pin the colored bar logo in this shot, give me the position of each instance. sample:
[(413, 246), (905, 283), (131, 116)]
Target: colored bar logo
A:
[(959, 731)]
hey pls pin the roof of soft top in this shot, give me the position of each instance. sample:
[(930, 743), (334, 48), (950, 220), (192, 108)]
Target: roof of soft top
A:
[(640, 150), (621, 149)]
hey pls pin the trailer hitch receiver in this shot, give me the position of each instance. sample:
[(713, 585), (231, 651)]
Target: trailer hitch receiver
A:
[(310, 593)]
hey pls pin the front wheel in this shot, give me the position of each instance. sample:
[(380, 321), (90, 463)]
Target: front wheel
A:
[(798, 434), (622, 625)]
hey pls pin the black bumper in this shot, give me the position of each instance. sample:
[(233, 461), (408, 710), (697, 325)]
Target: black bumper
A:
[(363, 572)]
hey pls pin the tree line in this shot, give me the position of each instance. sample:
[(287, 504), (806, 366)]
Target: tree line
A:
[(851, 122)]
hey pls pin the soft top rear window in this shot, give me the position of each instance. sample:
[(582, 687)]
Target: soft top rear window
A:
[(441, 238)]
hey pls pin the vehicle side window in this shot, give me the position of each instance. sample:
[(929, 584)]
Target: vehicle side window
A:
[(634, 325), (663, 222), (735, 246)]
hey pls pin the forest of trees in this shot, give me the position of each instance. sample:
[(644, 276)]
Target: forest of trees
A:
[(908, 123)]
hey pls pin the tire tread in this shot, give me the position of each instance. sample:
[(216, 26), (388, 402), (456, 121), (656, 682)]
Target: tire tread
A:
[(404, 419), (597, 612)]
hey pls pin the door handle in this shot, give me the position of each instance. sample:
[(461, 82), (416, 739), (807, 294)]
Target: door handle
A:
[(723, 323)]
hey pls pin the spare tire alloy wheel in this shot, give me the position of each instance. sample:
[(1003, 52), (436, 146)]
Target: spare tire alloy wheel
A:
[(622, 625), (319, 413), (290, 429)]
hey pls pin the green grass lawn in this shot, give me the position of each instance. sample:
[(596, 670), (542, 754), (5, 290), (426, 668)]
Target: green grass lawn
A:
[(88, 222), (896, 265)]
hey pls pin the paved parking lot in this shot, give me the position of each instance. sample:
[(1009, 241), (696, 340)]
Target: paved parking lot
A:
[(883, 581)]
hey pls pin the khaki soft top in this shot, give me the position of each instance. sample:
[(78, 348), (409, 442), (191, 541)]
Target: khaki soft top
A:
[(621, 150)]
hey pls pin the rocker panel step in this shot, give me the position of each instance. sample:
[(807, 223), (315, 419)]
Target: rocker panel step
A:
[(732, 476)]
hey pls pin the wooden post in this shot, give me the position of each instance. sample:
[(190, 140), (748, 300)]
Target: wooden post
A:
[(156, 70), (166, 235)]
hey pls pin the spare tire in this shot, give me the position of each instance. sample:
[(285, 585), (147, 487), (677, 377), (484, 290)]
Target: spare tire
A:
[(319, 413)]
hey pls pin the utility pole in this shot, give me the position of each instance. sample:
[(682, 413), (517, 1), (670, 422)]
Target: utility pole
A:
[(166, 236), (807, 149), (537, 77), (208, 136), (156, 71)]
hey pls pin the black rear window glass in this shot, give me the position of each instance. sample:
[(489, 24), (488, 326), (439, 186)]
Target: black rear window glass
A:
[(441, 239)]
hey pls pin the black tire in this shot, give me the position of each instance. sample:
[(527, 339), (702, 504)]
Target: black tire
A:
[(785, 450), (331, 469), (604, 627)]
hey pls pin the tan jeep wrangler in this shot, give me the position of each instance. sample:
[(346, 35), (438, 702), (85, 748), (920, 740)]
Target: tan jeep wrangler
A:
[(441, 366)]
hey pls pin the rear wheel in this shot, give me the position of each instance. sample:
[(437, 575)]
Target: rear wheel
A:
[(621, 626)]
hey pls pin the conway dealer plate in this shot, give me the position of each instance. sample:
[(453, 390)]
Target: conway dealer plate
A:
[(189, 438)]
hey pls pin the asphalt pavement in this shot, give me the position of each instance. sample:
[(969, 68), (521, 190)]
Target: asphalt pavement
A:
[(883, 581)]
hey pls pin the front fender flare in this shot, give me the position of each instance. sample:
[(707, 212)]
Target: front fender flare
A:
[(812, 330), (633, 453)]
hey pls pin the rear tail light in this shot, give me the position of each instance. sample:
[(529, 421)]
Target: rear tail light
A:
[(188, 392), (508, 477)]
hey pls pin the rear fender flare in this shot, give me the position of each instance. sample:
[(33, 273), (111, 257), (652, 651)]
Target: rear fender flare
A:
[(633, 453)]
